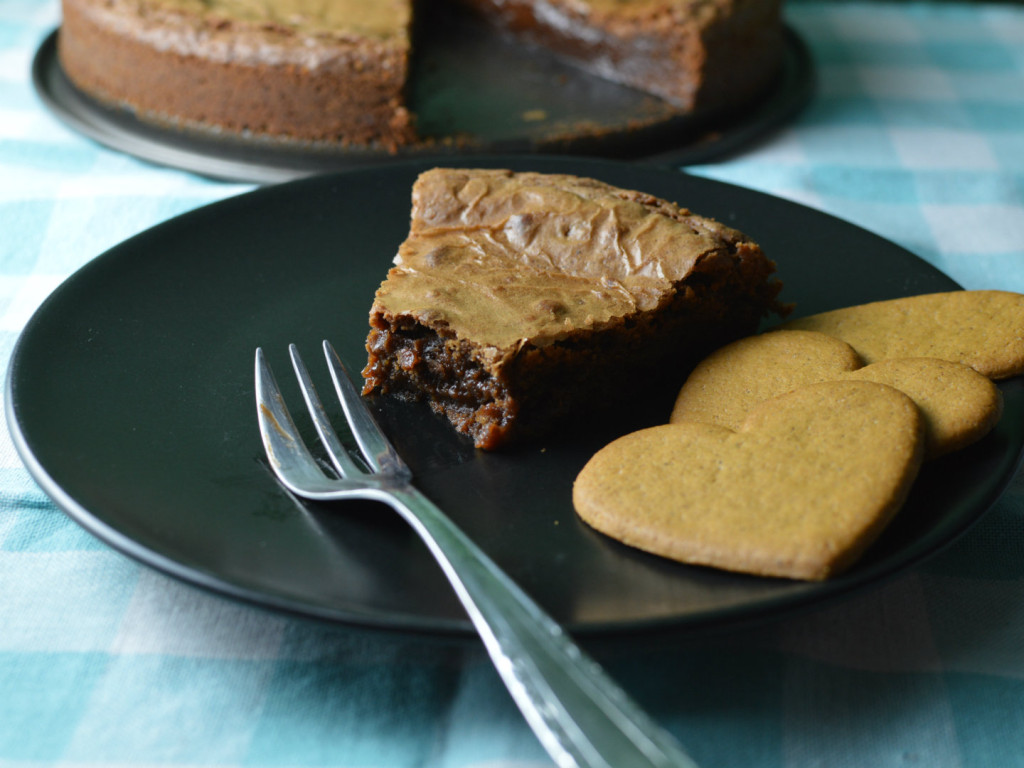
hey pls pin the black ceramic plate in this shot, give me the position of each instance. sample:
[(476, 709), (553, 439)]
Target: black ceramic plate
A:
[(473, 88), (130, 398)]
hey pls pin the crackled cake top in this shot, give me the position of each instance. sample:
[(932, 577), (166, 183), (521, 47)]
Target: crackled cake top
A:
[(501, 258), (379, 19)]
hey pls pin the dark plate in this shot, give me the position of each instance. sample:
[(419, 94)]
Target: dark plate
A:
[(130, 398), (473, 89)]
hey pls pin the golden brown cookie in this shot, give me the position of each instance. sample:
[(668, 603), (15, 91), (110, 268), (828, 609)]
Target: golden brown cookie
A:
[(982, 329), (799, 491), (959, 405), (723, 388)]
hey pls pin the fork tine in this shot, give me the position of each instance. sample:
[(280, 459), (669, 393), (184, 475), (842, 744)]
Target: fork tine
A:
[(289, 458), (372, 441), (335, 450)]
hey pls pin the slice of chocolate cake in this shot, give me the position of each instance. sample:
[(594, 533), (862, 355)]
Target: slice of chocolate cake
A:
[(521, 299)]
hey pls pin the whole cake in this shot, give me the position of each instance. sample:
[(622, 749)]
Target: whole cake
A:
[(338, 71), (519, 300)]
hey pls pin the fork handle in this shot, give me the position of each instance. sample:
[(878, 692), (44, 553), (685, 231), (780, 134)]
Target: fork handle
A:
[(582, 718)]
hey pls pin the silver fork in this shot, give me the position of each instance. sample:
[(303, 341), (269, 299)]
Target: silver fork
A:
[(582, 718)]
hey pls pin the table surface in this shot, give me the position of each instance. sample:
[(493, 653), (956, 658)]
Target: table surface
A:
[(916, 133)]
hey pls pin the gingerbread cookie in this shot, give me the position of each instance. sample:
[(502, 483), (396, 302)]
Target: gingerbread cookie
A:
[(982, 329), (725, 385), (799, 491), (959, 405)]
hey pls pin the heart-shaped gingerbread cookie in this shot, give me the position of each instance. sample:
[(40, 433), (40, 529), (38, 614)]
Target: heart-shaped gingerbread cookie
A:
[(959, 405), (982, 329), (799, 491)]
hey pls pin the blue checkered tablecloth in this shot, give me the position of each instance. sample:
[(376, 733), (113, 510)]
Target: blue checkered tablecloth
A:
[(916, 133)]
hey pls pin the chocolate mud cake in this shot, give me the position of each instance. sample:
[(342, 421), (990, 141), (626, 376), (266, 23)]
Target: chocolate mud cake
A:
[(339, 71), (309, 70), (520, 300), (695, 54)]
